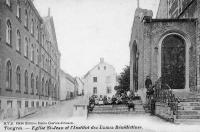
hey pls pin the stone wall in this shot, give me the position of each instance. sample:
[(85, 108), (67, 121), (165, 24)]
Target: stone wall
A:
[(148, 34)]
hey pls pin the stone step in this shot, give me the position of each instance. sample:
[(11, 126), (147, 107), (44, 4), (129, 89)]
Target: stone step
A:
[(183, 112), (188, 117), (110, 106), (126, 112), (188, 121), (109, 109), (189, 104), (190, 100), (189, 108)]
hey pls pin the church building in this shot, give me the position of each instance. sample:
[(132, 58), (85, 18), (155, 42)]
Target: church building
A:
[(167, 49)]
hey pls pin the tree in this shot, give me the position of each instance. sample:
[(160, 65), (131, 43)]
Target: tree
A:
[(124, 81)]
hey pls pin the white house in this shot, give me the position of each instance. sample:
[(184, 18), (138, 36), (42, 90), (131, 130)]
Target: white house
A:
[(67, 86), (100, 80)]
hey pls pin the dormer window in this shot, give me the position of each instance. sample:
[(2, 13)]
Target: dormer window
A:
[(18, 10), (8, 3)]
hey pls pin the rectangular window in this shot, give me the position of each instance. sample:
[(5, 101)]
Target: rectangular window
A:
[(0, 104), (95, 90), (32, 104), (94, 79), (9, 104), (26, 104)]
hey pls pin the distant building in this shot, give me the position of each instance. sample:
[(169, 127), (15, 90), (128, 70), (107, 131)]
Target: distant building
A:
[(29, 59), (80, 86), (67, 86), (100, 80)]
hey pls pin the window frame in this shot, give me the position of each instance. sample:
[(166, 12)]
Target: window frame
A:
[(18, 10), (26, 47), (94, 90), (8, 32), (95, 79), (18, 41), (8, 75), (26, 81), (26, 19), (32, 83), (18, 79), (32, 27), (8, 3)]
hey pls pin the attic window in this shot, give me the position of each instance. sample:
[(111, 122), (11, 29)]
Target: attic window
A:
[(8, 2)]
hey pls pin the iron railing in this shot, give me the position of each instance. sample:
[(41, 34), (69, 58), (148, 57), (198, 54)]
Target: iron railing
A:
[(164, 94)]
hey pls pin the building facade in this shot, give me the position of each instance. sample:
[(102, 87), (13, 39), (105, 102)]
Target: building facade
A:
[(68, 86), (167, 50), (100, 80), (29, 59), (80, 86)]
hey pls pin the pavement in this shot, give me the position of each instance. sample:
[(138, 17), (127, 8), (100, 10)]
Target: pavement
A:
[(144, 122)]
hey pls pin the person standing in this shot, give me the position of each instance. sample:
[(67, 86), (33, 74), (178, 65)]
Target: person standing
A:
[(148, 82), (148, 85)]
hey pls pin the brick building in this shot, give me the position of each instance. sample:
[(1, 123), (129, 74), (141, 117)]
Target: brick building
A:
[(167, 50), (29, 59)]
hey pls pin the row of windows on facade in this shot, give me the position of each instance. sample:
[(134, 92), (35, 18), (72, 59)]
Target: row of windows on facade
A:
[(26, 47), (9, 30), (103, 68), (108, 90), (26, 21), (45, 86), (108, 79), (33, 104)]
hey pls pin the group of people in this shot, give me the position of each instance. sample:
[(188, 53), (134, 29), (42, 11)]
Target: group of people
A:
[(125, 98), (117, 99), (104, 100)]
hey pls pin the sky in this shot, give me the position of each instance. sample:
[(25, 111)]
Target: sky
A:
[(87, 30)]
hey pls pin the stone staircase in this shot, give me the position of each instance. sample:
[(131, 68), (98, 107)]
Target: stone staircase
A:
[(110, 109), (189, 110), (138, 107), (119, 109)]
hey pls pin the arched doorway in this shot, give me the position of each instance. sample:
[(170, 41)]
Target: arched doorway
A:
[(173, 62), (135, 66)]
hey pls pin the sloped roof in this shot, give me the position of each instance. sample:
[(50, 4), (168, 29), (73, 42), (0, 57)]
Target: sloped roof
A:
[(68, 76), (49, 24), (95, 67)]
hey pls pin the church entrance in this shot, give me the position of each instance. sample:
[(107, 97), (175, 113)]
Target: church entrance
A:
[(173, 62)]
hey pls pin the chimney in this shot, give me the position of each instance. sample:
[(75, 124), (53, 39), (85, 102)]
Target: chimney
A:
[(138, 3), (101, 60), (49, 12)]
